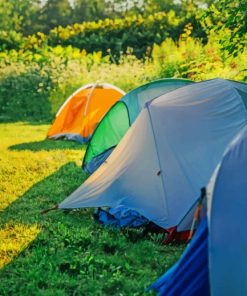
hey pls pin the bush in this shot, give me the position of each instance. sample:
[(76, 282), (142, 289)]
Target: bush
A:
[(189, 58), (25, 97), (34, 85), (11, 40), (117, 35), (108, 35)]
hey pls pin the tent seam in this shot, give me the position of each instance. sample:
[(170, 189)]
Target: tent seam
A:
[(94, 132), (241, 100), (155, 143)]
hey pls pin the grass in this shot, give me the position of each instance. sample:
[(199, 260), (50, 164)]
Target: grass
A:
[(63, 253)]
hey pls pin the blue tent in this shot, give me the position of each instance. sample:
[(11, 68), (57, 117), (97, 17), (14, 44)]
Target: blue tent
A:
[(189, 276), (215, 262)]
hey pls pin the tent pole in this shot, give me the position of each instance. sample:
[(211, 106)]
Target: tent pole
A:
[(197, 212), (89, 97)]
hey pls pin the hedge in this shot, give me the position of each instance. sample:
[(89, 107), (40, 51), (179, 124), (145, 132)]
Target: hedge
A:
[(110, 36)]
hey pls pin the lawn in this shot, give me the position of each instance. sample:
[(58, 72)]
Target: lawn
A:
[(63, 253)]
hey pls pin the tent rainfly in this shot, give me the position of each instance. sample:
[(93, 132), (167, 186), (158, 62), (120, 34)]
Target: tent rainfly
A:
[(83, 110), (215, 261), (169, 153), (120, 117)]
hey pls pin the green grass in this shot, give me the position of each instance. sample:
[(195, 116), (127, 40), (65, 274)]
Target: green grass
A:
[(63, 253)]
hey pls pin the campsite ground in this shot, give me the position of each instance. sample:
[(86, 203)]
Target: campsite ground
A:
[(63, 253)]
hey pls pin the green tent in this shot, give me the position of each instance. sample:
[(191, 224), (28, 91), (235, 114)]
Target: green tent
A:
[(120, 117)]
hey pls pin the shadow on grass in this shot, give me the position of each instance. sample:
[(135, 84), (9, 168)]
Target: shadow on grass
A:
[(44, 194), (26, 210), (71, 252), (25, 121), (39, 122), (48, 145)]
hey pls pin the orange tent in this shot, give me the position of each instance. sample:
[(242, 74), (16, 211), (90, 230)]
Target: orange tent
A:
[(83, 110)]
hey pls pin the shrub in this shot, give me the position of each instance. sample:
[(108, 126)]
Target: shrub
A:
[(25, 96), (33, 85), (116, 35)]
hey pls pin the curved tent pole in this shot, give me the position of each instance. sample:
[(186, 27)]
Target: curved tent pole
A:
[(71, 96), (89, 143), (121, 101), (114, 87), (85, 87), (104, 85), (89, 95)]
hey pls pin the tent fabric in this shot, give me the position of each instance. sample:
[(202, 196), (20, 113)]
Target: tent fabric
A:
[(226, 239), (186, 222), (120, 117), (120, 170), (168, 154), (114, 125), (83, 110), (97, 161), (189, 276), (120, 217), (226, 258), (227, 222)]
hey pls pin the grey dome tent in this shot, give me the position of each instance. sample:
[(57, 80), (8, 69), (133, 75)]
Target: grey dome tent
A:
[(169, 153), (121, 116)]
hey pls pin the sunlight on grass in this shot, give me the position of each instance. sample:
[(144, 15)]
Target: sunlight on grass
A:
[(72, 254), (14, 239), (21, 169)]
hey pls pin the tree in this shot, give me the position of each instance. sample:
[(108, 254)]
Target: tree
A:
[(88, 10), (18, 15), (56, 13), (151, 6), (229, 19)]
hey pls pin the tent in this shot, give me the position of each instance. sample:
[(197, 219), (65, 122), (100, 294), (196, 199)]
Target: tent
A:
[(120, 117), (189, 276), (169, 153), (83, 110), (215, 261)]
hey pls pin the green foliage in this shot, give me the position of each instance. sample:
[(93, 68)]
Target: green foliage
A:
[(11, 40), (189, 58), (228, 19), (117, 35), (71, 254), (60, 72), (88, 10), (109, 35), (18, 15), (33, 85), (55, 13), (151, 6), (25, 96)]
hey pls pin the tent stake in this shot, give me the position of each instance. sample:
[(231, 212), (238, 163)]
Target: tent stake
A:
[(50, 209)]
